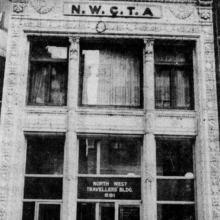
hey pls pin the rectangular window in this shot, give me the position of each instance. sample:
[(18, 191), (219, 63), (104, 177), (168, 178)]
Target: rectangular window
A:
[(43, 178), (120, 156), (111, 72), (175, 179), (173, 77), (48, 68)]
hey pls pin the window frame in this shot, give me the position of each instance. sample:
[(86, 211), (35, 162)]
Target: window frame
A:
[(37, 202), (117, 204), (101, 43), (98, 138), (192, 140), (172, 67), (54, 41)]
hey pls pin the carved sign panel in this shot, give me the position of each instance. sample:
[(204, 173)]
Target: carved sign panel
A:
[(103, 9), (109, 188)]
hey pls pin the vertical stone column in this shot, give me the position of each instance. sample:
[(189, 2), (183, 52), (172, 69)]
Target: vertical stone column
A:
[(149, 148), (149, 102), (71, 148)]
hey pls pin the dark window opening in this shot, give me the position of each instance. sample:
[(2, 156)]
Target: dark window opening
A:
[(43, 177), (110, 156), (48, 69), (174, 77)]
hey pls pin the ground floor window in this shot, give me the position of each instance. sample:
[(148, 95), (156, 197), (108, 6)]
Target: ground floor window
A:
[(110, 155), (43, 184), (175, 179)]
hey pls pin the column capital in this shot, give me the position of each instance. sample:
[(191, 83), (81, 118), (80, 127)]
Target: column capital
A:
[(149, 49), (149, 43), (74, 48), (74, 39)]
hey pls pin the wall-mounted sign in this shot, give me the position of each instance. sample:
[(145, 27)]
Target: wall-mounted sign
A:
[(105, 9), (109, 188)]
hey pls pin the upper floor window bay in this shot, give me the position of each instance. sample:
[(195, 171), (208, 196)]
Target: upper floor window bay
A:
[(48, 68), (174, 76), (111, 72)]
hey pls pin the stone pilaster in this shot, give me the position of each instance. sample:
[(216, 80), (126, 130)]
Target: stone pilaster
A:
[(149, 148), (149, 102), (71, 155)]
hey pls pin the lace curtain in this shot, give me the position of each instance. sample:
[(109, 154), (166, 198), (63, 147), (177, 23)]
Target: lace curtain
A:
[(111, 77)]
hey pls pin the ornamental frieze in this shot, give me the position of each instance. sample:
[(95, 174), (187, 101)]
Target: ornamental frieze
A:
[(181, 11), (43, 6)]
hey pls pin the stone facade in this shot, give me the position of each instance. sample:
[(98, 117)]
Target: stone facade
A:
[(188, 21)]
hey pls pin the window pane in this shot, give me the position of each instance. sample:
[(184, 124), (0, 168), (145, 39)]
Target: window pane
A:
[(45, 155), (129, 213), (175, 158), (48, 83), (49, 212), (163, 87), (58, 84), (86, 211), (177, 212), (28, 210), (117, 156), (111, 75), (120, 156), (107, 211), (40, 78), (87, 156), (43, 188), (48, 50), (175, 190), (173, 76), (181, 91)]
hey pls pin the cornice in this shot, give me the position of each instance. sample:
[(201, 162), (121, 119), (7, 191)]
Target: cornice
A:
[(159, 1)]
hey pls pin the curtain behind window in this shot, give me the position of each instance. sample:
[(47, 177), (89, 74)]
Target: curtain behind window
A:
[(181, 91), (39, 80), (111, 77), (48, 84), (163, 88)]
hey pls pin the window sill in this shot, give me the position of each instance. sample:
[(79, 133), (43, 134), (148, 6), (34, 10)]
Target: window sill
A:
[(109, 175)]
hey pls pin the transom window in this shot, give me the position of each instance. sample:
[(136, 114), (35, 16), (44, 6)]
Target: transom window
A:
[(173, 77), (48, 72), (110, 156), (111, 72)]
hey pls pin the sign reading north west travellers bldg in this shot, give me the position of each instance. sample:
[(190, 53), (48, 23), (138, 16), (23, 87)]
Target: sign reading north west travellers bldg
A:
[(109, 188), (106, 9)]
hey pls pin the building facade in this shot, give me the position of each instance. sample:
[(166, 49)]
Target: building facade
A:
[(110, 112), (4, 18)]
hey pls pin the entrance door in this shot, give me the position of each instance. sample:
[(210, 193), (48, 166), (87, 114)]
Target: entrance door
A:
[(108, 211)]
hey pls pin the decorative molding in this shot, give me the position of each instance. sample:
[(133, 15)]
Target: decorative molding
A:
[(205, 2), (149, 176), (43, 6), (205, 14), (100, 27), (149, 44), (74, 47), (18, 7), (181, 11)]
